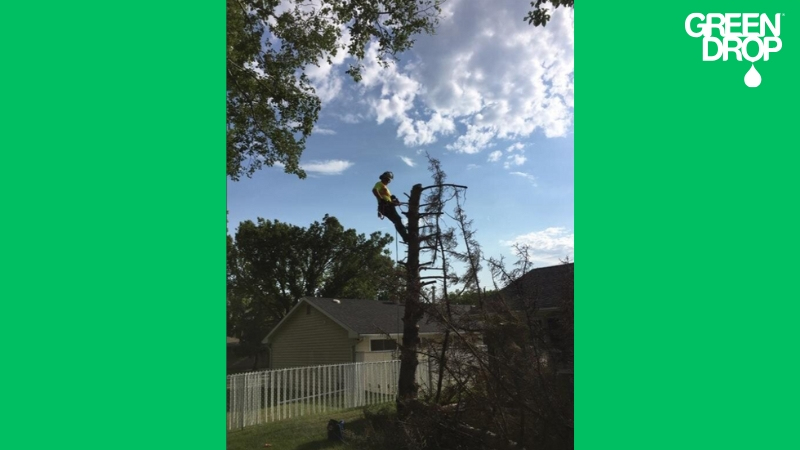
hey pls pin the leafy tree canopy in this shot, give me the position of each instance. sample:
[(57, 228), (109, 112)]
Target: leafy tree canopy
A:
[(538, 15), (272, 264), (271, 104)]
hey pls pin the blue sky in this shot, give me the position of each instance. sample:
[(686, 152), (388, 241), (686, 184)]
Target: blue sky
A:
[(490, 96)]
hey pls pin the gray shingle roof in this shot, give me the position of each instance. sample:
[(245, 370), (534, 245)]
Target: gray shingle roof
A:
[(368, 316), (547, 287)]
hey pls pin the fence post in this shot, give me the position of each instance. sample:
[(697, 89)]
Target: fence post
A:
[(271, 397), (231, 401), (314, 391), (362, 384), (340, 382), (240, 402), (351, 392)]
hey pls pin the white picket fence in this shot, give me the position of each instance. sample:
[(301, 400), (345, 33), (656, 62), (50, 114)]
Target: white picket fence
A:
[(259, 397)]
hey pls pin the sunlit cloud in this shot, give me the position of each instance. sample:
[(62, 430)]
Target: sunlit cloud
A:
[(332, 167), (408, 161), (546, 247)]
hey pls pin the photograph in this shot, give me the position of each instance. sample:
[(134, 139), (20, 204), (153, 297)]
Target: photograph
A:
[(385, 194), (400, 248)]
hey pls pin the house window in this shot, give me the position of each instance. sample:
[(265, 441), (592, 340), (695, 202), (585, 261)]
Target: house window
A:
[(308, 310), (382, 345)]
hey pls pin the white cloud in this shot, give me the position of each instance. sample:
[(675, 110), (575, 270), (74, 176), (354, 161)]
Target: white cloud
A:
[(495, 156), (517, 146), (351, 118), (475, 140), (485, 77), (408, 161), (419, 132), (472, 166), (527, 176), (514, 160), (546, 247), (396, 102), (326, 84), (331, 167), (320, 130), (486, 69)]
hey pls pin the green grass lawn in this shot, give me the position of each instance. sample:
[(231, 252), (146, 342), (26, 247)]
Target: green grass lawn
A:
[(301, 433)]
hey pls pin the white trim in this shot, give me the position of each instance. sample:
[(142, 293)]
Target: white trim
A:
[(398, 335)]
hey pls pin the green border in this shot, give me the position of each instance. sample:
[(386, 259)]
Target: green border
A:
[(113, 181), (113, 186), (685, 204)]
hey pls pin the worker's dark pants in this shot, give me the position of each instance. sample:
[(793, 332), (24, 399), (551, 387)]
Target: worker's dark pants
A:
[(390, 212)]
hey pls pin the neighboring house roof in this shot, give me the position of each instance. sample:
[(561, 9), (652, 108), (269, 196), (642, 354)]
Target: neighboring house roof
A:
[(368, 316), (360, 316), (547, 287)]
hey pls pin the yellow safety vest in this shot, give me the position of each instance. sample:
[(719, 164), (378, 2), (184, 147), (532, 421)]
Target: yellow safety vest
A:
[(383, 191)]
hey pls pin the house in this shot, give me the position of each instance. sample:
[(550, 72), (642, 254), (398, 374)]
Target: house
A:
[(320, 331), (547, 294), (545, 289), (531, 328)]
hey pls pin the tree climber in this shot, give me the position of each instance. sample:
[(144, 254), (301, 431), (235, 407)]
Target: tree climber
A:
[(387, 203)]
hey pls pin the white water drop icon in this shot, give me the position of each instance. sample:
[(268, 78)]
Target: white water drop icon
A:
[(752, 78)]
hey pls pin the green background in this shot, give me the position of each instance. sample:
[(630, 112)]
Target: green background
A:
[(685, 217), (113, 181), (113, 187)]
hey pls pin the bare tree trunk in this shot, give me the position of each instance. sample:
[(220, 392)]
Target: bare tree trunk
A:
[(407, 386)]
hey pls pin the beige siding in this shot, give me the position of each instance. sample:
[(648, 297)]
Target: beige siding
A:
[(363, 344), (363, 353), (310, 340)]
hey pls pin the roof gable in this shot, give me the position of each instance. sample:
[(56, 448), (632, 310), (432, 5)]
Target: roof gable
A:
[(300, 303)]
